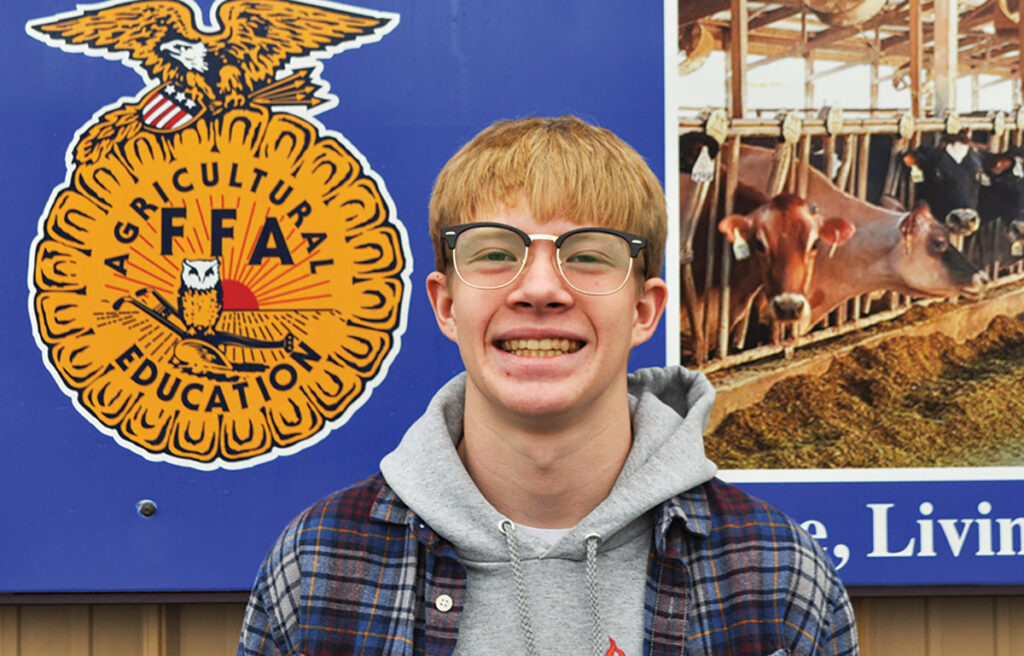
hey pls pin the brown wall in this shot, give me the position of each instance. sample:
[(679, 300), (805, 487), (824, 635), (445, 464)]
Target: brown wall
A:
[(904, 626), (205, 629)]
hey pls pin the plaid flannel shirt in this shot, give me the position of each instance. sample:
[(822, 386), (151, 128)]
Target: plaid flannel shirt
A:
[(359, 573)]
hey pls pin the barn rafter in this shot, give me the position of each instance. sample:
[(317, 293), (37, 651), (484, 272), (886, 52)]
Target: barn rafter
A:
[(988, 38)]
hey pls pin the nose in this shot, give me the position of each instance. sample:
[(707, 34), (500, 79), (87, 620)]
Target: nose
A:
[(789, 307), (540, 284), (963, 221)]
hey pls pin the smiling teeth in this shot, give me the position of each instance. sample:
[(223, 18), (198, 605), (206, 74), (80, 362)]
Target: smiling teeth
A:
[(540, 348)]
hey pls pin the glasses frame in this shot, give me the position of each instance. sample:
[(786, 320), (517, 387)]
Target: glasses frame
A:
[(636, 244)]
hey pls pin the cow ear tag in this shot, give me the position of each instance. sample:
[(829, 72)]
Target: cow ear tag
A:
[(703, 169), (740, 247), (984, 179), (1017, 249), (832, 249), (916, 174)]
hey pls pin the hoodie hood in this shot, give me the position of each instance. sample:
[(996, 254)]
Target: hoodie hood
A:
[(669, 409)]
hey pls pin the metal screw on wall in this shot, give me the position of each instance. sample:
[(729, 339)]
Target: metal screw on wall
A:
[(146, 508)]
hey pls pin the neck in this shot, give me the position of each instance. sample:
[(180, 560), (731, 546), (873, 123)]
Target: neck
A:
[(550, 476)]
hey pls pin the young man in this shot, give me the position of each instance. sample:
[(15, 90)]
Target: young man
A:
[(547, 502)]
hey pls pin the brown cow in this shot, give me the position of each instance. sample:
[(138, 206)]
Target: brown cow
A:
[(784, 237), (905, 252), (775, 246)]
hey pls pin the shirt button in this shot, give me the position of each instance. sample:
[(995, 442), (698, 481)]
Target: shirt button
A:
[(443, 603)]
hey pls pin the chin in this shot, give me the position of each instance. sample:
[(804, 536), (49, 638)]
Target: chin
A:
[(543, 400)]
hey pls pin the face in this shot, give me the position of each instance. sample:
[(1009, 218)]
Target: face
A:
[(537, 350), (928, 264), (784, 237)]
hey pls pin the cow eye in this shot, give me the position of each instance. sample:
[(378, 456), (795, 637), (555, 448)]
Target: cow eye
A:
[(939, 245), (816, 245), (758, 245)]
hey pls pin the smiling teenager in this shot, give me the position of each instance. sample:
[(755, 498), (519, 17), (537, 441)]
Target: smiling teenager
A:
[(549, 502)]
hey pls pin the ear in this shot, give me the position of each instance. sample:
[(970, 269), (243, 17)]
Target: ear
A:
[(1000, 164), (735, 224), (835, 231), (648, 309), (443, 304), (690, 144), (909, 225)]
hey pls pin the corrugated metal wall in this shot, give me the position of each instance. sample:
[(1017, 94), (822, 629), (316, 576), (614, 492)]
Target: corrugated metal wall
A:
[(903, 626)]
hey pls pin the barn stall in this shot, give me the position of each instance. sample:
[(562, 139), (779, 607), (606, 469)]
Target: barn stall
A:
[(859, 150)]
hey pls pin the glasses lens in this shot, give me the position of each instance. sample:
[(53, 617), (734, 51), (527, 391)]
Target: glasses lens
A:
[(595, 262), (488, 256)]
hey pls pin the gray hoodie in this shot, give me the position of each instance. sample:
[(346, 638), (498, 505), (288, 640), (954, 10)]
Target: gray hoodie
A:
[(523, 595)]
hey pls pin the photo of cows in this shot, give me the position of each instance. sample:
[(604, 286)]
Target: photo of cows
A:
[(857, 298), (851, 232)]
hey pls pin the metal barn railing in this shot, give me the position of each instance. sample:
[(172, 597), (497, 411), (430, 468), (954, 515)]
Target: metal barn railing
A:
[(796, 137)]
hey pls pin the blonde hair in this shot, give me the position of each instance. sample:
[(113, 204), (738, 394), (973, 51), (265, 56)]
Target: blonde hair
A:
[(559, 167)]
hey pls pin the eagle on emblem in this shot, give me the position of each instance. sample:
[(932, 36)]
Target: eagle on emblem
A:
[(200, 71)]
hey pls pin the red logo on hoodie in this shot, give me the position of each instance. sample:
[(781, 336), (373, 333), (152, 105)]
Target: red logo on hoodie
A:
[(613, 649)]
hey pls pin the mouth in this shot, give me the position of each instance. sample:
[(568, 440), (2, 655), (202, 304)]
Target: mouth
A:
[(540, 348)]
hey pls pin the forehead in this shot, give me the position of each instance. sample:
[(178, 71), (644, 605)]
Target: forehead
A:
[(522, 217), (787, 221)]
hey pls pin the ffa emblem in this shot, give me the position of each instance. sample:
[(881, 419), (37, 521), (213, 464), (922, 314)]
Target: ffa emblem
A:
[(220, 279)]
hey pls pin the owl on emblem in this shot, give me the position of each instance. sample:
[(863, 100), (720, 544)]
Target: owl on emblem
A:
[(201, 296)]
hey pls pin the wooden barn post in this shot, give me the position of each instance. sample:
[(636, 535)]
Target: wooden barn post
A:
[(1020, 57), (738, 36), (808, 62), (915, 58), (875, 76), (945, 57)]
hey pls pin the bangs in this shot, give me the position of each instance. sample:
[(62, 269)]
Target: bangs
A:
[(556, 168)]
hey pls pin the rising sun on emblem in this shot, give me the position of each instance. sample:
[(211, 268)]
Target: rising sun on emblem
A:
[(221, 279)]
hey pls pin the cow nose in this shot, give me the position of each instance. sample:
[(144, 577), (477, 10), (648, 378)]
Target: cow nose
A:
[(963, 221), (789, 307)]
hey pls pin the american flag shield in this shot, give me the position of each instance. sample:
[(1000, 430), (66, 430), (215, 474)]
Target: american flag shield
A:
[(168, 109)]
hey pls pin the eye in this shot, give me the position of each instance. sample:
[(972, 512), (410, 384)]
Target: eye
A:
[(816, 245), (939, 245), (758, 245), (587, 257), (494, 255)]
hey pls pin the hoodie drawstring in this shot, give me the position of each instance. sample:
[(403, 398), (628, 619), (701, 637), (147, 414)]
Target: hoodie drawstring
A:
[(508, 529), (592, 542)]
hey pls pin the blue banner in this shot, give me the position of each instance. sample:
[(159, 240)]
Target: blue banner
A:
[(225, 251), (912, 532)]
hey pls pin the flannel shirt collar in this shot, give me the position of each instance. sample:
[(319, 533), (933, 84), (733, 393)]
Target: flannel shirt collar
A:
[(692, 510), (389, 509)]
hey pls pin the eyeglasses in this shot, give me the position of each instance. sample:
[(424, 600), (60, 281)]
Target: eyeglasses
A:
[(595, 261)]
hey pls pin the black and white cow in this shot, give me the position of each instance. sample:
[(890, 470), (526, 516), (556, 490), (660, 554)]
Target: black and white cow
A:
[(949, 177), (1000, 240)]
